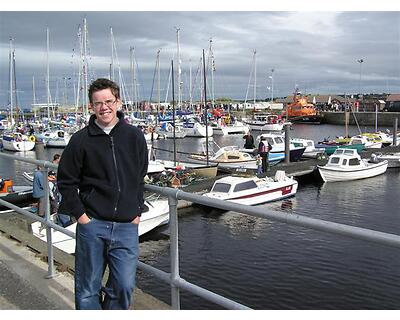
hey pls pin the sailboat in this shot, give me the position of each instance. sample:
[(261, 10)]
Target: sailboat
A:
[(14, 140)]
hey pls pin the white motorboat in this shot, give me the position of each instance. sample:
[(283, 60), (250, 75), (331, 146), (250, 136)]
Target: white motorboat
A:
[(156, 215), (277, 142), (369, 142), (18, 142), (200, 169), (167, 130), (225, 157), (54, 138), (14, 194), (393, 159), (311, 151), (196, 129), (253, 190), (264, 122), (231, 157), (346, 164), (226, 129)]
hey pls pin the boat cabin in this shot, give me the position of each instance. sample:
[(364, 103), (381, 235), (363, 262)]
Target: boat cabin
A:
[(233, 184), (344, 158)]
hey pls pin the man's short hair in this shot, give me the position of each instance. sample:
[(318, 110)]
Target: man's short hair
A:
[(101, 84)]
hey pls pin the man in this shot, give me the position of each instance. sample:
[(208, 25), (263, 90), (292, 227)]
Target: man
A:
[(100, 177), (38, 191), (62, 220), (264, 148), (249, 141)]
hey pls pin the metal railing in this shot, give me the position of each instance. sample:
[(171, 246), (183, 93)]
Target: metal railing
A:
[(173, 278)]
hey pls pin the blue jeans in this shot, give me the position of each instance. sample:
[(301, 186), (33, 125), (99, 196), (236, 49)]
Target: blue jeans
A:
[(63, 220), (98, 244)]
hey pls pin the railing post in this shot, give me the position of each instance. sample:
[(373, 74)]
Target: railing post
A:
[(287, 143), (50, 253), (174, 251)]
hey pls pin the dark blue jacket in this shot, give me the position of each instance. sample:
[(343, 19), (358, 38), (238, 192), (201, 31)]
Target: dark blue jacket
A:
[(102, 175)]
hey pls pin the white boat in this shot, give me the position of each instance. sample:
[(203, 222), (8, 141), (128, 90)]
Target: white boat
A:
[(200, 169), (277, 142), (346, 164), (393, 159), (54, 138), (264, 122), (14, 194), (253, 190), (231, 157), (223, 129), (196, 129), (17, 142), (167, 130), (367, 141), (226, 157), (311, 151), (157, 215)]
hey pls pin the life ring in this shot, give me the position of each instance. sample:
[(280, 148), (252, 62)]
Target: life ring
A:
[(32, 138)]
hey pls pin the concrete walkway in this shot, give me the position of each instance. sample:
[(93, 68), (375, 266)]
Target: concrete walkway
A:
[(23, 282)]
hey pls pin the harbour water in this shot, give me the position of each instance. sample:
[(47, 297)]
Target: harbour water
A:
[(270, 265)]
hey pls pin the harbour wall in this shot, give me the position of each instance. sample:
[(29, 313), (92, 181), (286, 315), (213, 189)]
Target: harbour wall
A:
[(385, 119)]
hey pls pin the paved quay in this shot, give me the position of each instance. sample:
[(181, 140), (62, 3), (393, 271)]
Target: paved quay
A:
[(23, 272)]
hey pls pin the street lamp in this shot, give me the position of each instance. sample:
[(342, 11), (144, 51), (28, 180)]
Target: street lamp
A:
[(360, 61), (272, 85)]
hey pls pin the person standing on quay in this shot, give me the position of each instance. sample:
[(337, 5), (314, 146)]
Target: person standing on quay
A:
[(100, 177), (249, 141), (264, 148)]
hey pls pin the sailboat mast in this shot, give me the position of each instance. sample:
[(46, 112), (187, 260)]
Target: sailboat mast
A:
[(11, 82), (190, 84), (34, 96), (205, 104), (158, 83), (173, 108), (134, 82), (255, 77), (112, 75), (212, 75), (131, 65), (179, 66), (48, 73), (85, 70)]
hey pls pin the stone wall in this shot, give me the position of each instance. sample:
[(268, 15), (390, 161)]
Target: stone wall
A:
[(385, 119)]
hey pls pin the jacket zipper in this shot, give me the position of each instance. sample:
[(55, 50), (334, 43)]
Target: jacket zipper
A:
[(116, 172)]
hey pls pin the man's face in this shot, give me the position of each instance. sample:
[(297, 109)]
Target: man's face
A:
[(105, 106)]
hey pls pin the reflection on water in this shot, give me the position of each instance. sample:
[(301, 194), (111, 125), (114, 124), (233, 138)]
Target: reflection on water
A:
[(271, 265)]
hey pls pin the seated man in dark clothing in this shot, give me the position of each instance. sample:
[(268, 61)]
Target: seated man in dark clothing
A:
[(249, 141)]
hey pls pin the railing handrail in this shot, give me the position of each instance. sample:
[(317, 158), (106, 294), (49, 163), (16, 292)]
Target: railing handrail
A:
[(174, 195)]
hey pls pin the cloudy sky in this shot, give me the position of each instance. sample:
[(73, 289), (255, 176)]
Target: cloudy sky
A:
[(317, 51)]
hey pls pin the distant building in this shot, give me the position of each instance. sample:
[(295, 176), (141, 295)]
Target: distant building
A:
[(392, 103)]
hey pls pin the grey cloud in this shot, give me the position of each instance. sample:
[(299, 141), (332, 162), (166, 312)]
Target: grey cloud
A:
[(316, 50)]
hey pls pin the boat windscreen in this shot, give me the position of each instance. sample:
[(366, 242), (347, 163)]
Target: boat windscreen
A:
[(221, 187)]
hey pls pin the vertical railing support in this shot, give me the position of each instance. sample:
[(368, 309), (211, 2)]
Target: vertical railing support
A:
[(174, 251), (395, 125), (287, 143)]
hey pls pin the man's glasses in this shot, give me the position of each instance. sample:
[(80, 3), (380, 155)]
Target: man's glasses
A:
[(108, 103)]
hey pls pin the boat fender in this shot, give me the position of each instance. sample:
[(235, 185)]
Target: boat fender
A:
[(32, 138)]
